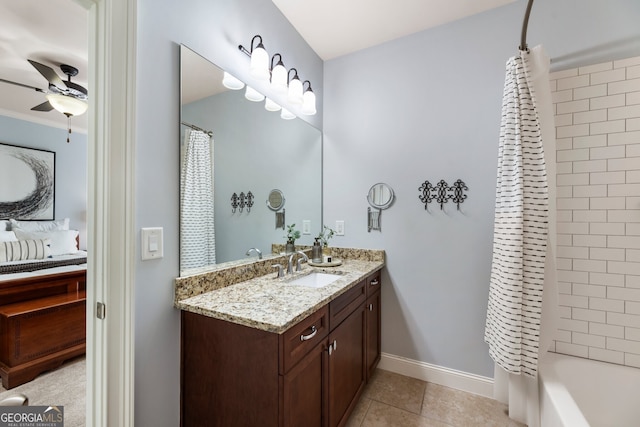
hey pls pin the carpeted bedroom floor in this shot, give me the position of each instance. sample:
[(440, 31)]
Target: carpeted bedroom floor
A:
[(65, 386)]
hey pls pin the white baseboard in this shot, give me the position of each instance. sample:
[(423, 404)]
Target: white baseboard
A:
[(459, 380)]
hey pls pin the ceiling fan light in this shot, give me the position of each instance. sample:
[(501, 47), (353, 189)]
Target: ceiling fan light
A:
[(231, 82), (253, 95), (259, 67), (269, 105), (67, 105)]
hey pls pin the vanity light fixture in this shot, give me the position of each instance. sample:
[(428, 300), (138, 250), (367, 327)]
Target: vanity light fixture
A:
[(278, 75), (295, 88), (231, 82), (270, 105), (253, 95), (282, 81), (308, 100), (287, 115), (259, 67)]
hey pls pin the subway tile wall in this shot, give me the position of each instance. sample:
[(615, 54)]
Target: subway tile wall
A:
[(597, 116)]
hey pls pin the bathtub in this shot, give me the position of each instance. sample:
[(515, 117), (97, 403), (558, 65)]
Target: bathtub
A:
[(576, 392)]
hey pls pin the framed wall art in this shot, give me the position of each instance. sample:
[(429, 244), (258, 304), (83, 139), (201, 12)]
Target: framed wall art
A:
[(27, 183)]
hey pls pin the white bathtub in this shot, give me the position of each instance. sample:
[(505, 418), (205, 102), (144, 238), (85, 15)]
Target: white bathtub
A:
[(576, 392)]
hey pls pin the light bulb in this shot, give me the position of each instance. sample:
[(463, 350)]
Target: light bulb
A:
[(279, 78), (269, 105), (287, 115), (230, 82), (259, 67), (253, 95), (309, 103), (295, 91), (67, 104)]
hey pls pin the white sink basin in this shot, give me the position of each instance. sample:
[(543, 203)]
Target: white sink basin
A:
[(316, 280)]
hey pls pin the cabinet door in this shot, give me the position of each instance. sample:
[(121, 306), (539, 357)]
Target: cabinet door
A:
[(304, 390), (346, 366), (372, 351)]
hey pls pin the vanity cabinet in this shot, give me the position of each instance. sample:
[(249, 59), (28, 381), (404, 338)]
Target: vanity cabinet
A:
[(311, 375)]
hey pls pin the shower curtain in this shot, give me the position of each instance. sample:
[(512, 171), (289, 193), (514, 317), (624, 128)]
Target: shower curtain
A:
[(523, 282), (197, 234)]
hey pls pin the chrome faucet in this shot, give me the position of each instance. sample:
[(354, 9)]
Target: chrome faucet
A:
[(298, 264), (256, 250)]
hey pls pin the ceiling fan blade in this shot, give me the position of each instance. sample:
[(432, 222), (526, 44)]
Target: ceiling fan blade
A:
[(23, 85), (48, 73), (79, 90), (45, 106)]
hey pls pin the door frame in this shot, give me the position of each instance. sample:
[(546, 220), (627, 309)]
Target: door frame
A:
[(111, 211)]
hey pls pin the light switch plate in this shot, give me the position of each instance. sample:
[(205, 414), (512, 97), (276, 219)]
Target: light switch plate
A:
[(306, 226), (340, 228), (152, 243)]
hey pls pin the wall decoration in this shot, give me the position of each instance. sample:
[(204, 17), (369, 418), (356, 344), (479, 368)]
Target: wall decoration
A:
[(27, 183), (442, 193)]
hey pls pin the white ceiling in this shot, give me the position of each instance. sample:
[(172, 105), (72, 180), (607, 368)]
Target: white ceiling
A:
[(54, 32), (336, 27)]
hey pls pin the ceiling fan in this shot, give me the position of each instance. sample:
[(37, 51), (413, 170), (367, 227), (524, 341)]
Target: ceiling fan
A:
[(67, 97)]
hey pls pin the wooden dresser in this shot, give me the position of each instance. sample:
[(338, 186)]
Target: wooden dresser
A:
[(42, 324)]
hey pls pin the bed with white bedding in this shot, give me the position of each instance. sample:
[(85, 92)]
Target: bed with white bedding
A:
[(42, 298)]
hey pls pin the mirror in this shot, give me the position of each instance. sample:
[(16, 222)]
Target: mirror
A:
[(380, 196), (251, 150), (275, 202)]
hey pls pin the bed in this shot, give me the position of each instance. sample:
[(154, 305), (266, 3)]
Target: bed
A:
[(42, 304)]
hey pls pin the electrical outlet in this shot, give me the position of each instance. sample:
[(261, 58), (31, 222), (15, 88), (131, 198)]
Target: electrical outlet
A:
[(306, 226), (340, 228)]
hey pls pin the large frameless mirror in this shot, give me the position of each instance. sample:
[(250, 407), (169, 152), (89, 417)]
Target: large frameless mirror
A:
[(251, 151)]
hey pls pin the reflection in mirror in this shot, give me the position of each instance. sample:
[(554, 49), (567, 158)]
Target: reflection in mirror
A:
[(250, 149)]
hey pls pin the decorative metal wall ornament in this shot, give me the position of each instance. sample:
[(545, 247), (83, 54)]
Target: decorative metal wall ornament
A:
[(249, 201), (442, 193), (426, 196), (234, 202), (243, 202), (458, 195)]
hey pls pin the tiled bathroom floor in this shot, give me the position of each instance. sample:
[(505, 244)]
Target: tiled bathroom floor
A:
[(395, 400)]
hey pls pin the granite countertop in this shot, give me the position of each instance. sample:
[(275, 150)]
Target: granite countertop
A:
[(273, 304)]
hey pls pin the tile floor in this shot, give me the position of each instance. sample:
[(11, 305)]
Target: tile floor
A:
[(391, 399)]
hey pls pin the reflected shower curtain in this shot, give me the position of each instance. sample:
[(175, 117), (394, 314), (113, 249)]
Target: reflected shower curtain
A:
[(197, 236), (523, 274)]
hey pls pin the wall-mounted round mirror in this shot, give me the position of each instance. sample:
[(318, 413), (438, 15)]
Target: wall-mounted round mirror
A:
[(275, 202), (380, 196)]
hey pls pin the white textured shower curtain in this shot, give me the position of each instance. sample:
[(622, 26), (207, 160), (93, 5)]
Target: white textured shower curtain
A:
[(197, 233), (523, 274)]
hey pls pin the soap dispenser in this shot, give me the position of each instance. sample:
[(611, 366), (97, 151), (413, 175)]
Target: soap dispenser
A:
[(316, 251)]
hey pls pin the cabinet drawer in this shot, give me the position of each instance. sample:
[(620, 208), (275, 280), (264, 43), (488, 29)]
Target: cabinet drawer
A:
[(298, 340), (341, 307), (374, 282)]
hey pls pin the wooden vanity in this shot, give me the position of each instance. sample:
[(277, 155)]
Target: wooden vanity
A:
[(311, 374)]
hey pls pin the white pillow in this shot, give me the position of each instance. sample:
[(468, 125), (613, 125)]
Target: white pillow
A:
[(7, 236), (63, 242), (60, 224), (22, 250)]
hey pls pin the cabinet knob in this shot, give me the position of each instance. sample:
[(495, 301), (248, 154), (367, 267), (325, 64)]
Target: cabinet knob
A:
[(314, 331), (374, 282), (370, 307)]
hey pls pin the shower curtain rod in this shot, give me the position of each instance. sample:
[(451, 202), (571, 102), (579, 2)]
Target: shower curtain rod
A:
[(194, 127), (525, 24)]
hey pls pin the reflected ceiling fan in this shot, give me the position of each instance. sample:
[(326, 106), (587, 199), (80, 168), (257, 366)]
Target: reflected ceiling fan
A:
[(67, 97)]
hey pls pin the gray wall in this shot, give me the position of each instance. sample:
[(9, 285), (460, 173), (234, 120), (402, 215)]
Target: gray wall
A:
[(71, 166), (213, 28), (427, 107)]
